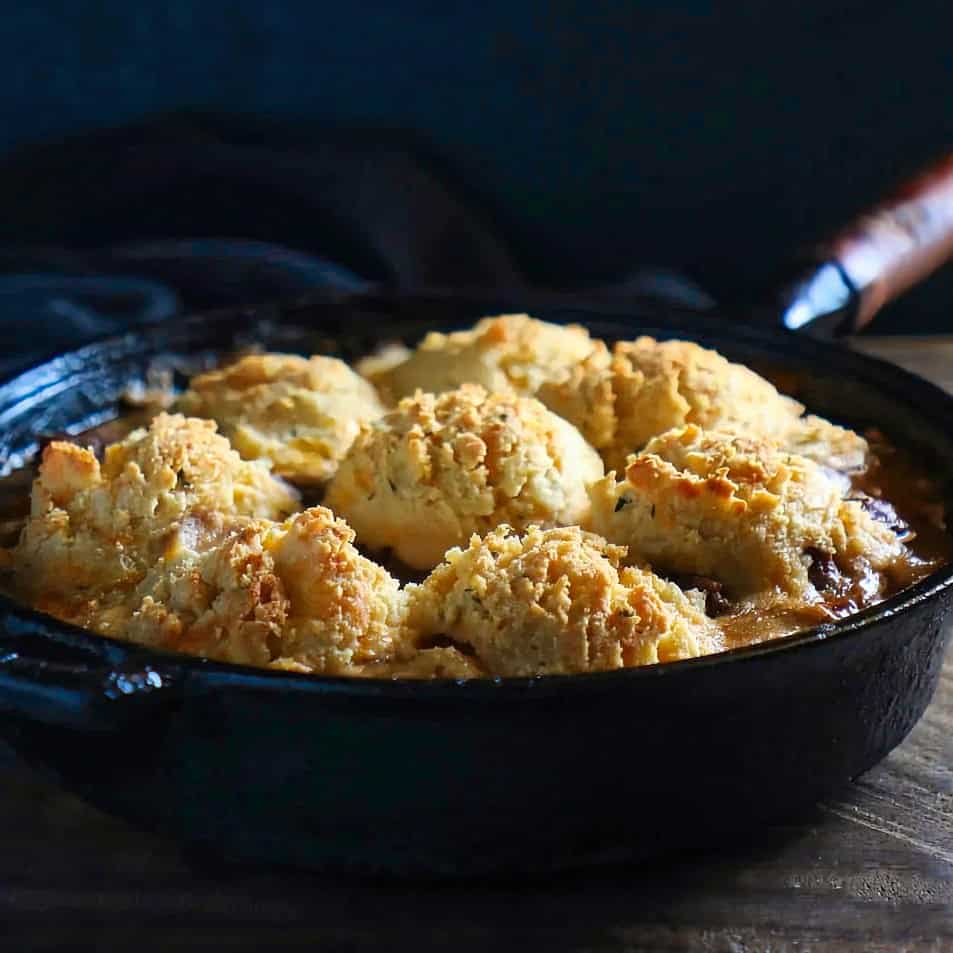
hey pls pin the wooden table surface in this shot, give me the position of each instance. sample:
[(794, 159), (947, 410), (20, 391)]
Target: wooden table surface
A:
[(872, 871)]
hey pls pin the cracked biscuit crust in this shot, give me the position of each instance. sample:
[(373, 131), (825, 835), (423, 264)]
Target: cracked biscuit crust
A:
[(508, 354), (94, 527), (556, 601), (649, 386), (295, 595), (743, 512), (300, 413), (176, 542), (836, 448), (437, 469)]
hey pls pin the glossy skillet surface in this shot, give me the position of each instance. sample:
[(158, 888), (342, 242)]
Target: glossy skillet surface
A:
[(448, 778)]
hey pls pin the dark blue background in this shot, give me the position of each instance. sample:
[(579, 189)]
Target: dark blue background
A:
[(713, 137)]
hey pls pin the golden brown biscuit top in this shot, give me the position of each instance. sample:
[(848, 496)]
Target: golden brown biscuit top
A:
[(95, 525), (290, 594), (552, 601), (741, 511), (300, 413), (511, 353), (185, 459), (739, 469), (440, 467), (540, 563), (649, 386)]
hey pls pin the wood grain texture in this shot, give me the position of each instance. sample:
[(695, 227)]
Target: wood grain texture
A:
[(871, 871)]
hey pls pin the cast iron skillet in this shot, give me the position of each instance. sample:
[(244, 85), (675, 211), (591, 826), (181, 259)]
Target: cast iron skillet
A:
[(504, 775)]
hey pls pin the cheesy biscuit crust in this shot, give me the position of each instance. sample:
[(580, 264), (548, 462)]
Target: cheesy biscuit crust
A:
[(94, 527), (744, 512), (300, 413), (294, 595), (556, 601), (651, 386), (439, 468), (507, 354)]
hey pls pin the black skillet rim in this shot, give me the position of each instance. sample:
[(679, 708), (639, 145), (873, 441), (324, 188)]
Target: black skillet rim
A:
[(104, 652)]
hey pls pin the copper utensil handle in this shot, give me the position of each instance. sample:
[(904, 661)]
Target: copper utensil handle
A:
[(899, 243), (841, 283)]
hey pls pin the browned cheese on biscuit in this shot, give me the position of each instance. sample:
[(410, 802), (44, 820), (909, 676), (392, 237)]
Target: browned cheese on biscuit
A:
[(649, 386), (508, 354), (300, 413), (744, 512), (295, 595), (555, 601), (96, 527), (427, 475), (175, 542)]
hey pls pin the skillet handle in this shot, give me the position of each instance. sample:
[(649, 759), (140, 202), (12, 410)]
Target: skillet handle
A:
[(849, 278), (80, 697)]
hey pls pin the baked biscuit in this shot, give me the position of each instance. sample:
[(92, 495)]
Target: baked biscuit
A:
[(836, 448), (651, 386), (508, 354), (743, 512), (94, 527), (300, 413), (556, 601), (346, 610), (427, 475), (296, 595)]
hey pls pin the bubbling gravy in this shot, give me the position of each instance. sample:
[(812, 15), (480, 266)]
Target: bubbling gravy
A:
[(895, 491)]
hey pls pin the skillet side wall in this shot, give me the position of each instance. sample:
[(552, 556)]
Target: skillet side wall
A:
[(469, 779), (519, 783)]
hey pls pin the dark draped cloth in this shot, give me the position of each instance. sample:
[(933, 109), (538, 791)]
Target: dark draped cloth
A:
[(118, 228)]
